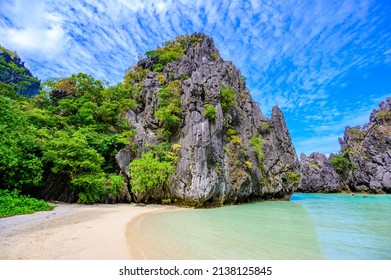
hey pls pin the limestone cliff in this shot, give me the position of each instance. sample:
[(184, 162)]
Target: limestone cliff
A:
[(15, 75), (369, 151), (318, 175), (227, 150), (363, 164)]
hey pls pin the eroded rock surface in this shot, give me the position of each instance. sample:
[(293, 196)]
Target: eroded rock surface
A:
[(318, 175), (239, 155), (369, 150), (364, 162)]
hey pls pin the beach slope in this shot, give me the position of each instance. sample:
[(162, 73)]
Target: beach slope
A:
[(71, 231)]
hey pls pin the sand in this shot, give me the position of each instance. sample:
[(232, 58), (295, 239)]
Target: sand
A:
[(71, 231), (144, 249)]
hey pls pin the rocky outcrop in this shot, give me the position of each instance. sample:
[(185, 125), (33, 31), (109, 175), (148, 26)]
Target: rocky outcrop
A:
[(15, 74), (369, 151), (228, 151), (318, 175), (363, 164)]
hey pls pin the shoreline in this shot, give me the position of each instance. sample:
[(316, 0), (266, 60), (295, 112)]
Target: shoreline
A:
[(133, 235), (73, 232)]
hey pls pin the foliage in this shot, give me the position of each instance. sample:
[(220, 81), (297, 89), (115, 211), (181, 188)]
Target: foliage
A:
[(169, 102), (16, 76), (165, 55), (356, 133), (152, 169), (265, 127), (72, 154), (341, 164), (171, 51), (231, 132), (385, 116), (12, 54), (96, 130), (236, 140), (293, 177), (176, 147), (210, 112), (20, 152), (242, 80), (315, 165), (249, 164), (214, 56), (74, 129), (115, 184), (90, 187), (256, 143), (227, 98), (158, 67), (184, 76), (348, 152), (8, 91), (135, 75), (13, 203), (161, 78)]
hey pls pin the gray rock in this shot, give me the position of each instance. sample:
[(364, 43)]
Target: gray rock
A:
[(318, 175), (369, 149), (367, 152), (218, 160)]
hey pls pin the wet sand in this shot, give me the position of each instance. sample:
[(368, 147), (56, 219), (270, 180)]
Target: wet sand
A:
[(144, 249), (71, 231)]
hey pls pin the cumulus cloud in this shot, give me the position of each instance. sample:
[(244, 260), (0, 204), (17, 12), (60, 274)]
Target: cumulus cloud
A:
[(33, 29)]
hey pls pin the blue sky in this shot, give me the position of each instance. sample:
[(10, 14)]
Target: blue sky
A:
[(326, 64)]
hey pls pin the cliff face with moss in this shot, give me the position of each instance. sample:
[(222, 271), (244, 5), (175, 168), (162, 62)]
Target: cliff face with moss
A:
[(368, 149), (319, 175), (197, 126), (15, 77), (363, 164)]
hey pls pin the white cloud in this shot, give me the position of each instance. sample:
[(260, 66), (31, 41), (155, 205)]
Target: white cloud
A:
[(45, 43), (134, 5), (35, 31)]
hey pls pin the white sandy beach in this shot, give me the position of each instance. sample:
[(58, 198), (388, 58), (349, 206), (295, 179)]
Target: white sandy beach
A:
[(71, 231)]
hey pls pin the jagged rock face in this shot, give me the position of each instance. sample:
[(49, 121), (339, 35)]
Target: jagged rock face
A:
[(369, 150), (19, 75), (239, 155), (368, 159), (318, 175)]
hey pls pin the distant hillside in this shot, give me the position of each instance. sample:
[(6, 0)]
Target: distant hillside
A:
[(15, 77)]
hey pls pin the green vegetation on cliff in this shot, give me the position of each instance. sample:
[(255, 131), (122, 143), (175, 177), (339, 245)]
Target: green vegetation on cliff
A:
[(227, 98), (171, 51), (341, 164), (15, 78), (151, 171), (210, 112), (169, 112)]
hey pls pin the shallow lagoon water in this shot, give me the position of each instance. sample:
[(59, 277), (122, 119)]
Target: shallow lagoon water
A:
[(350, 227), (309, 226)]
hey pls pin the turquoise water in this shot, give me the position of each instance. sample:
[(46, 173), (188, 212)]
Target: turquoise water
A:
[(309, 226), (349, 227)]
